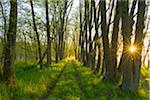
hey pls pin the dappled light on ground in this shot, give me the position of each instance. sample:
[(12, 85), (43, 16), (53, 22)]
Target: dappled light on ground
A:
[(75, 82)]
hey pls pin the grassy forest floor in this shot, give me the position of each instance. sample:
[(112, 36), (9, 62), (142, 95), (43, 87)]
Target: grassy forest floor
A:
[(66, 80)]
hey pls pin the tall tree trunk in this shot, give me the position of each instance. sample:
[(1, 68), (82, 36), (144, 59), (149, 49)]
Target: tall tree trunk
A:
[(139, 42), (120, 69), (9, 58), (62, 28), (96, 20), (37, 35), (126, 60), (55, 32), (86, 17), (114, 42), (3, 39), (107, 59), (90, 36), (48, 34), (131, 65), (57, 45), (81, 42)]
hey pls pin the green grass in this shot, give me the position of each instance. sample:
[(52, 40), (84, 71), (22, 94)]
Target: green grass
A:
[(31, 82), (100, 90), (76, 83), (145, 82), (89, 86)]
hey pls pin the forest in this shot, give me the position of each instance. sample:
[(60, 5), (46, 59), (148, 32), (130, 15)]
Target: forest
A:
[(74, 49)]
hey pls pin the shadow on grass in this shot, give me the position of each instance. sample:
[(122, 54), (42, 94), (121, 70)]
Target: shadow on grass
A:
[(79, 81), (53, 84)]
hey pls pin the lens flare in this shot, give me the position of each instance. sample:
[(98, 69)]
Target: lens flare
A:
[(132, 49)]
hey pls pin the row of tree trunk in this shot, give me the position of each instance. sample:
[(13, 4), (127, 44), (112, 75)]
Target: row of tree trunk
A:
[(128, 69)]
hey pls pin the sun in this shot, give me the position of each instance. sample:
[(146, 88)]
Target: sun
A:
[(132, 49)]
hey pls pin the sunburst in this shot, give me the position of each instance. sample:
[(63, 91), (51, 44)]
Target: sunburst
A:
[(132, 49)]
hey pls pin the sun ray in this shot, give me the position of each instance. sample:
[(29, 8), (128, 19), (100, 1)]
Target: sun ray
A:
[(132, 49)]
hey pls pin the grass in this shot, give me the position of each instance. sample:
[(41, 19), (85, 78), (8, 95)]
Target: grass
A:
[(31, 82), (76, 83), (100, 90), (145, 82)]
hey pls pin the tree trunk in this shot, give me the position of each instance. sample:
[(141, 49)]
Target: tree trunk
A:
[(3, 40), (120, 69), (37, 35), (99, 59), (62, 29), (139, 42), (114, 42), (107, 59), (86, 17), (89, 56), (48, 34), (96, 20), (55, 32), (126, 60), (81, 41), (9, 58)]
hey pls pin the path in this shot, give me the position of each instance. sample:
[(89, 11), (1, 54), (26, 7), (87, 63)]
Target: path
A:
[(75, 82), (67, 84), (53, 84)]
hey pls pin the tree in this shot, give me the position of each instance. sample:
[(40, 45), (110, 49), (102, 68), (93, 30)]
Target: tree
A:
[(3, 38), (114, 45), (85, 39), (107, 57), (139, 42), (61, 28), (96, 20), (9, 58), (37, 35), (131, 63), (81, 42), (90, 22), (48, 34), (126, 58)]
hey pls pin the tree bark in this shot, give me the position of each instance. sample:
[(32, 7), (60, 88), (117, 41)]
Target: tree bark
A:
[(3, 39), (85, 39), (61, 35), (89, 56), (139, 42), (131, 21), (9, 58), (107, 60), (81, 41), (96, 20), (48, 34), (126, 60), (37, 35), (114, 47), (99, 59)]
